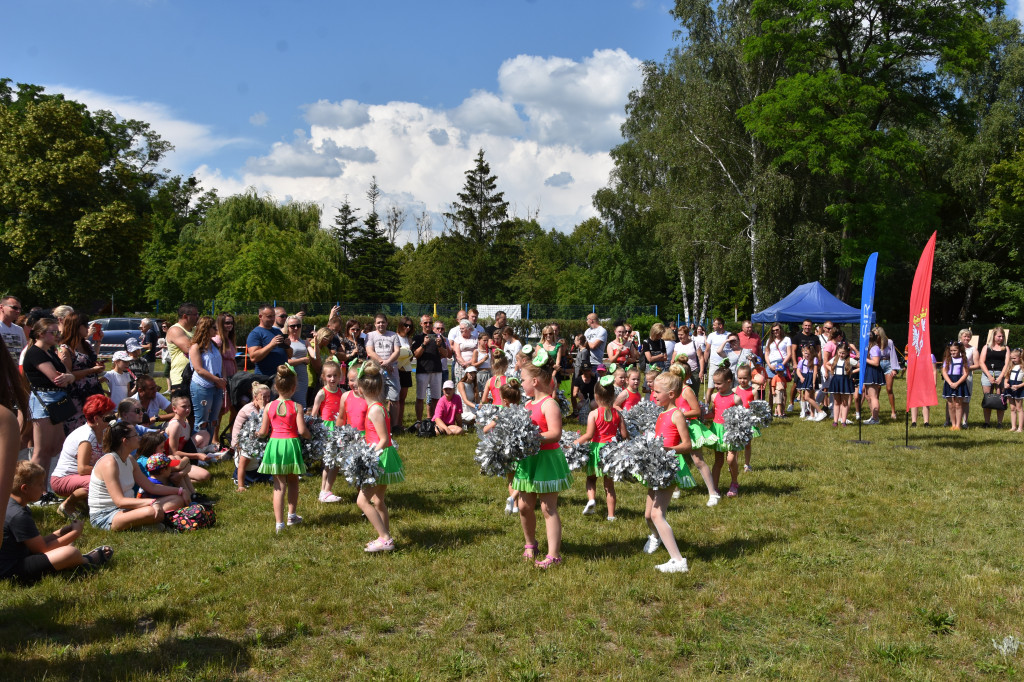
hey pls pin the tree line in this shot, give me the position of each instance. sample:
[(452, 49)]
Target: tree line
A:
[(779, 142)]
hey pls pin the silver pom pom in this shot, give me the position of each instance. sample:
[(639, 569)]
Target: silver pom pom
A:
[(644, 459), (584, 411), (641, 417), (618, 390), (738, 427), (485, 412), (340, 445), (578, 456), (564, 404), (314, 449), (513, 437), (249, 445), (361, 467), (762, 413)]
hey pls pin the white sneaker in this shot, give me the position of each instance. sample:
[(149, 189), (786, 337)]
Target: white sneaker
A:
[(328, 497), (509, 504), (818, 417), (789, 407), (294, 519), (589, 509), (515, 509), (713, 500), (858, 416), (611, 518), (652, 544), (673, 566), (675, 494), (850, 421)]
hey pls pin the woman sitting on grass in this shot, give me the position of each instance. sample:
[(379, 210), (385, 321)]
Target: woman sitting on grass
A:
[(112, 505), (25, 554)]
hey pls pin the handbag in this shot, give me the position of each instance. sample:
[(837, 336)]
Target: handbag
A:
[(993, 401), (192, 517), (58, 411)]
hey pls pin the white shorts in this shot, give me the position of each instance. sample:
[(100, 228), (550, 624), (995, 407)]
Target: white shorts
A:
[(431, 379)]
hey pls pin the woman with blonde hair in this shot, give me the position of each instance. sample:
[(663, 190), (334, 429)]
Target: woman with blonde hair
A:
[(207, 387)]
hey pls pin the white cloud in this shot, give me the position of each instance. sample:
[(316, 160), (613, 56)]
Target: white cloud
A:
[(345, 114), (259, 119), (298, 159), (485, 112), (192, 141)]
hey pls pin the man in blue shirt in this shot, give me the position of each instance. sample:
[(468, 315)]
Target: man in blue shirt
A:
[(267, 346)]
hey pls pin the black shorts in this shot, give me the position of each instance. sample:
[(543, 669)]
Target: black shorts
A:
[(404, 379), (31, 568)]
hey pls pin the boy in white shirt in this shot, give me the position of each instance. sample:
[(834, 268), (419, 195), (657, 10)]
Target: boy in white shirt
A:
[(119, 378)]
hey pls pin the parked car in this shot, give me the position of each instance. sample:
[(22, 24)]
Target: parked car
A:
[(117, 330)]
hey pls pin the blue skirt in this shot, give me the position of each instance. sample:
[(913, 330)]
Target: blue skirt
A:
[(950, 392), (807, 384), (841, 384), (1015, 394), (873, 376)]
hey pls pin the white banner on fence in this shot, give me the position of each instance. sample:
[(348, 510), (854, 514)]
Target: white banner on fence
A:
[(513, 311)]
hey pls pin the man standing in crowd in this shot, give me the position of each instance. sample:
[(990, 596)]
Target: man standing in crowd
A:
[(478, 329), (179, 340), (454, 333), (267, 345), (12, 334), (280, 317), (383, 347), (428, 348), (597, 338), (148, 338), (500, 321), (749, 339), (712, 359)]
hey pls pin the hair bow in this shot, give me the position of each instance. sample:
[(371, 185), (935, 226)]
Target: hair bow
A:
[(512, 381), (359, 372), (499, 353), (610, 368), (606, 380), (291, 369), (681, 359), (540, 358), (527, 349)]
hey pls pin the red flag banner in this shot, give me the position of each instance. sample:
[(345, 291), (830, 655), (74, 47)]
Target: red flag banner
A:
[(920, 370)]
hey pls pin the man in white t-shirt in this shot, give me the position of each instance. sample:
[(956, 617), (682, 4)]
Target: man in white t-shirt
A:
[(12, 334), (478, 329), (597, 339), (383, 346), (716, 338)]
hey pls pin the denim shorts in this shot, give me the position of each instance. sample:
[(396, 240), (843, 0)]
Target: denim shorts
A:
[(103, 518), (36, 404), (885, 365), (390, 387)]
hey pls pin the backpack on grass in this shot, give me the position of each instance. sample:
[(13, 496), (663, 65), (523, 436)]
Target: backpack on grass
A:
[(192, 517)]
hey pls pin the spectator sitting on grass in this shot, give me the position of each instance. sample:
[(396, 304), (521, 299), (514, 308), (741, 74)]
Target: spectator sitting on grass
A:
[(155, 407), (448, 414), (25, 554)]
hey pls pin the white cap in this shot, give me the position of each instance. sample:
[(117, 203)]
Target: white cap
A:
[(471, 369), (122, 355), (448, 384)]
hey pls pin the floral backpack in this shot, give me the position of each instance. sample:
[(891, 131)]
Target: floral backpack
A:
[(193, 517)]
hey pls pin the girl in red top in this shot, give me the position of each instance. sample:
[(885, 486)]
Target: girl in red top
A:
[(492, 390), (671, 426), (327, 405), (545, 474), (745, 390), (283, 421), (603, 424), (352, 406), (630, 395), (700, 435), (370, 380), (723, 399)]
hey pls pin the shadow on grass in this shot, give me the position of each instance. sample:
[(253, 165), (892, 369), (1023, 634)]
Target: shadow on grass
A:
[(730, 549), (434, 501), (447, 538), (779, 467), (768, 489), (600, 550)]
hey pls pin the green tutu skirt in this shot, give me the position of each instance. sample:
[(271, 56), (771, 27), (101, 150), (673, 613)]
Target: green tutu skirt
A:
[(594, 465), (545, 472), (283, 456), (329, 425), (719, 431), (700, 435), (684, 479), (392, 469)]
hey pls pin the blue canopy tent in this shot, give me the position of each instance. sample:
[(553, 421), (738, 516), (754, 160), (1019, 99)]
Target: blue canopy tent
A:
[(809, 301)]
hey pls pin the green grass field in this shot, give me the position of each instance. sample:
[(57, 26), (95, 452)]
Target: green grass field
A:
[(837, 560)]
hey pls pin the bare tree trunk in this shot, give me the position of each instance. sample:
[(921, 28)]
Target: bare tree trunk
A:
[(965, 309), (755, 270), (686, 299)]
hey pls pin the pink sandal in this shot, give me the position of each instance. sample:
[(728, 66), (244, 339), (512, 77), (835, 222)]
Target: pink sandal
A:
[(379, 545), (529, 552), (548, 561)]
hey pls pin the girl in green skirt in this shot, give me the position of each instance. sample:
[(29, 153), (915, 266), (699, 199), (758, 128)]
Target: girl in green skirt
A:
[(378, 433), (283, 422)]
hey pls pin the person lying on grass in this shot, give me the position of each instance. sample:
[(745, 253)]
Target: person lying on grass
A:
[(26, 555), (111, 506)]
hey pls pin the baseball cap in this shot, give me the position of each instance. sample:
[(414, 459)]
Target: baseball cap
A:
[(132, 345), (122, 355), (602, 368), (157, 462), (448, 384), (471, 370)]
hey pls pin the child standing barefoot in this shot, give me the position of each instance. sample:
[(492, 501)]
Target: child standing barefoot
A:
[(371, 502), (283, 422), (545, 474), (326, 405), (671, 426), (603, 424)]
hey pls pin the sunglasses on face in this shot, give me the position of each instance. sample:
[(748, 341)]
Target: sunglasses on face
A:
[(294, 326)]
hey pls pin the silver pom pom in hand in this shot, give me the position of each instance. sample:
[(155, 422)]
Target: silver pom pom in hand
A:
[(248, 444), (762, 413), (513, 437), (314, 449), (641, 417), (361, 467), (485, 412), (644, 459), (564, 404), (339, 445), (578, 456), (738, 427)]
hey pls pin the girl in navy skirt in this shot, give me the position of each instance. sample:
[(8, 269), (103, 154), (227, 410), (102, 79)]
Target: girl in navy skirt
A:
[(954, 386), (807, 383), (841, 386), (874, 378), (1015, 390)]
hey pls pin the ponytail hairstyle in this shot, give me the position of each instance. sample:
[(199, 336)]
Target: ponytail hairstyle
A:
[(285, 380), (671, 381), (541, 367), (116, 435), (512, 392), (371, 380), (680, 367), (499, 363), (723, 373), (947, 358), (604, 392), (842, 345)]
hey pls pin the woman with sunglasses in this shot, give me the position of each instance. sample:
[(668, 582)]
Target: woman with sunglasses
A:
[(300, 359), (48, 381), (82, 449), (776, 350), (80, 359)]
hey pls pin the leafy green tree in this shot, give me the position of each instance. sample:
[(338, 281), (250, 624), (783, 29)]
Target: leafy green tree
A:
[(345, 229), (75, 188), (372, 265)]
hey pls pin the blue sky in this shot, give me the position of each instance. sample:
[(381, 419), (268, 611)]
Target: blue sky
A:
[(309, 99)]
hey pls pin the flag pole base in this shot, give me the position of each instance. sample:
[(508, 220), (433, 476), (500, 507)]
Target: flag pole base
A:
[(860, 442), (907, 447)]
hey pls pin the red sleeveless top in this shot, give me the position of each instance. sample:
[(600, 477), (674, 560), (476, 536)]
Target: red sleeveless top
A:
[(355, 411), (329, 407), (538, 418), (745, 394), (666, 429), (631, 399), (372, 437), (607, 428), (722, 403), (495, 388), (283, 426)]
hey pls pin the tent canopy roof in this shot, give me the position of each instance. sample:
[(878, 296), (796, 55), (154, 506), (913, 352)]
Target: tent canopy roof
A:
[(809, 301)]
